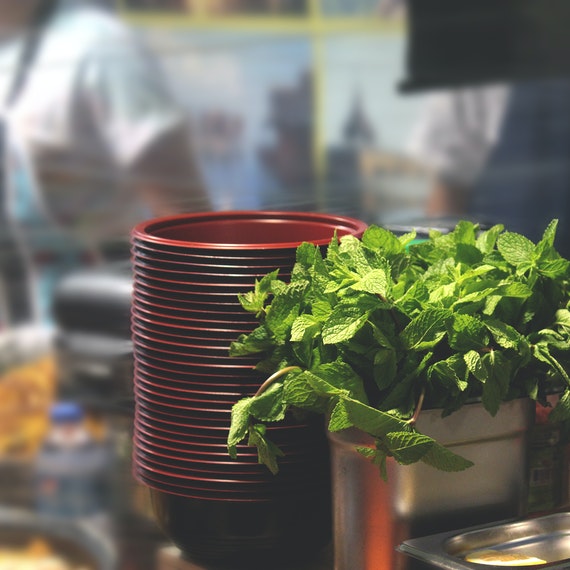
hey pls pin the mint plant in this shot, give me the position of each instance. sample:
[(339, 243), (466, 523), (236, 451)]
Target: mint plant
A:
[(382, 326)]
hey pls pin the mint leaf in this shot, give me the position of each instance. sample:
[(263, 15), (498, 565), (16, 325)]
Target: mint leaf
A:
[(344, 322), (464, 233), (255, 342), (267, 451), (304, 326), (254, 301), (299, 393), (443, 459), (377, 457), (516, 290), (542, 352), (515, 248), (368, 419), (562, 319), (379, 320), (451, 371), (239, 425), (285, 309), (408, 447), (465, 333), (475, 365), (385, 368), (269, 406), (308, 255), (426, 330), (377, 282), (496, 387), (487, 240), (504, 335), (549, 235), (379, 238), (553, 268), (339, 376)]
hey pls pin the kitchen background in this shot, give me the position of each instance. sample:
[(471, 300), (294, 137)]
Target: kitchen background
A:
[(290, 105)]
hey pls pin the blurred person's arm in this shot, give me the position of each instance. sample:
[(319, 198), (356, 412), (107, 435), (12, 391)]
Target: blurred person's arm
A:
[(456, 131)]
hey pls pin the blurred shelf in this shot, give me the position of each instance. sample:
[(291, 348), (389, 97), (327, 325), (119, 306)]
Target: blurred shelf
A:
[(266, 24)]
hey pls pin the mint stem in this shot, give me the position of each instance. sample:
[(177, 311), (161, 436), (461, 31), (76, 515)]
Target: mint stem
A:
[(412, 421), (273, 377)]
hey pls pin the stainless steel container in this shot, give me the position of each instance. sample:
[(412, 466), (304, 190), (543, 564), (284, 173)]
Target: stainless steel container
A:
[(372, 517), (540, 541)]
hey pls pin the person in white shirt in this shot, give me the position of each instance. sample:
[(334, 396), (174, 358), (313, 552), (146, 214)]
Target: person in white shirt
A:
[(500, 153), (94, 140)]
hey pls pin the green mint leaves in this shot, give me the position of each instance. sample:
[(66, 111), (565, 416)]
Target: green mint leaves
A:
[(378, 324)]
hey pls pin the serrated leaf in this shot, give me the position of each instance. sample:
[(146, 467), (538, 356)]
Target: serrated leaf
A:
[(549, 234), (267, 451), (408, 238), (408, 447), (464, 232), (255, 342), (475, 365), (379, 238), (240, 418), (553, 268), (345, 321), (254, 301), (385, 368), (370, 419), (304, 326), (497, 385), (384, 336), (426, 330), (285, 309), (307, 254), (468, 254), (487, 240), (466, 333), (377, 457), (491, 303), (340, 376), (269, 406), (515, 290), (444, 459), (542, 352), (299, 393), (452, 371), (351, 251), (504, 335), (515, 248), (376, 282), (339, 418)]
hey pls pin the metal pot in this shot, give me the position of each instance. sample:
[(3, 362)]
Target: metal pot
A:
[(371, 517)]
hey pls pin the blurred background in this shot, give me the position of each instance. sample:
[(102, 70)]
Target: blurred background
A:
[(403, 114)]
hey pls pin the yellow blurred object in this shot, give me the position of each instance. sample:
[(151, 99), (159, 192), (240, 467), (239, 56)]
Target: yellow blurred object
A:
[(27, 392), (498, 558), (36, 556)]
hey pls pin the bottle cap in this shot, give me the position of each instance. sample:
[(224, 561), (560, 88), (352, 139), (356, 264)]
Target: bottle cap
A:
[(66, 412)]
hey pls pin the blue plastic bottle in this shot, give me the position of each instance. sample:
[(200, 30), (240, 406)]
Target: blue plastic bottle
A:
[(72, 471)]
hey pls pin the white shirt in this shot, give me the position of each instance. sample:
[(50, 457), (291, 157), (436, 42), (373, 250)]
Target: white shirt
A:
[(457, 130), (93, 103)]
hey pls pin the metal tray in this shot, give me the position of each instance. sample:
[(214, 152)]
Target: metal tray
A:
[(544, 541)]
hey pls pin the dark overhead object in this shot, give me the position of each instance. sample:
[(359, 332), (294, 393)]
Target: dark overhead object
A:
[(453, 43)]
